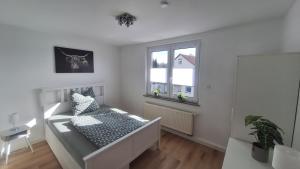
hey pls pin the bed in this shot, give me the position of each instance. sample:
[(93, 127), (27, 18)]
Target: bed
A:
[(75, 151)]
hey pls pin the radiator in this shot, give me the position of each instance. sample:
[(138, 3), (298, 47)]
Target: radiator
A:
[(170, 117)]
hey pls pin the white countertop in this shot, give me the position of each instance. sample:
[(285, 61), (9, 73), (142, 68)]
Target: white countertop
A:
[(238, 156), (10, 132)]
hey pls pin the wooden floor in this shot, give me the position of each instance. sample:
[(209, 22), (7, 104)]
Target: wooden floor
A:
[(178, 153), (41, 158), (175, 153)]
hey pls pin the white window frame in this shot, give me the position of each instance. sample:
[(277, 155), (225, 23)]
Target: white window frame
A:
[(171, 48)]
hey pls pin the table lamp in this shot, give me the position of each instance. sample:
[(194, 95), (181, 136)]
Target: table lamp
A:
[(13, 119), (285, 158)]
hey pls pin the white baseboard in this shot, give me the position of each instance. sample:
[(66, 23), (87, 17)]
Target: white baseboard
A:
[(197, 140), (211, 144)]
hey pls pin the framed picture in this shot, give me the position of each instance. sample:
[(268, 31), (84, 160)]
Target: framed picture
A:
[(69, 60)]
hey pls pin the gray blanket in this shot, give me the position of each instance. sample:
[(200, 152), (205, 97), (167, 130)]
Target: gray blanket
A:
[(106, 125)]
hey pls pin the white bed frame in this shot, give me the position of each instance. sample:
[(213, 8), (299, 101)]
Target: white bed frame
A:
[(116, 155)]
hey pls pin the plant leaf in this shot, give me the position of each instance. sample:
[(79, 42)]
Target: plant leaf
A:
[(250, 119), (253, 133), (265, 131), (271, 124)]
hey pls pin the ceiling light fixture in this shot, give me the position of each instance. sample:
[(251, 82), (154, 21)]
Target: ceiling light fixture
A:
[(164, 3), (126, 19)]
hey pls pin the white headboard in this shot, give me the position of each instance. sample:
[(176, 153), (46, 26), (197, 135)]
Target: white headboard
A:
[(56, 100)]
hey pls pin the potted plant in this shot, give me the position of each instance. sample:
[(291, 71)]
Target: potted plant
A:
[(156, 92), (265, 133), (181, 97)]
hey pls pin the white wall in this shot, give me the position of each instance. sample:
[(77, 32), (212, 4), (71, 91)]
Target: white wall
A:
[(27, 64), (291, 38), (218, 61), (291, 43)]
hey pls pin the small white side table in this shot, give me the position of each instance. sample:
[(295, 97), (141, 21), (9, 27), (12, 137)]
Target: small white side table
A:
[(13, 134)]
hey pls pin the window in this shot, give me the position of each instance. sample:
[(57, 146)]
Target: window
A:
[(174, 69), (180, 61), (188, 89)]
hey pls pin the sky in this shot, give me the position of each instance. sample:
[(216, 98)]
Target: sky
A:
[(162, 56), (187, 51)]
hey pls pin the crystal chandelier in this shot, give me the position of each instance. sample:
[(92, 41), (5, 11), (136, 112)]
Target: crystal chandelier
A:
[(126, 19)]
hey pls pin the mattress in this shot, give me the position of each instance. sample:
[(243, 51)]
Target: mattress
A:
[(74, 142), (105, 126)]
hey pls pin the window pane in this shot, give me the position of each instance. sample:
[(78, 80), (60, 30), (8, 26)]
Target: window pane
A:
[(163, 87), (159, 71), (184, 71), (187, 91), (159, 66), (158, 75)]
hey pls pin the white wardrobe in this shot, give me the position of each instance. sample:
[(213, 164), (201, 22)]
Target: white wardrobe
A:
[(296, 138), (268, 85)]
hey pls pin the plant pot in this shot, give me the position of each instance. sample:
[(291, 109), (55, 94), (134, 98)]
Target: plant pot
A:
[(260, 154), (181, 100)]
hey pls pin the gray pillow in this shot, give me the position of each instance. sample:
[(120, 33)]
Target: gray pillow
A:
[(89, 92), (86, 92), (82, 104)]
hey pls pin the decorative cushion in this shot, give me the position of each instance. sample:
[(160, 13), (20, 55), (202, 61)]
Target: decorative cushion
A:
[(73, 104), (86, 92), (89, 92), (82, 104), (77, 90)]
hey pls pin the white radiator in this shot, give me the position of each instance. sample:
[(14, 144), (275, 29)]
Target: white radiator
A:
[(170, 117)]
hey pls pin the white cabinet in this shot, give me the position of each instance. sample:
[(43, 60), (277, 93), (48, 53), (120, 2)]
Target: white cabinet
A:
[(296, 141), (266, 85)]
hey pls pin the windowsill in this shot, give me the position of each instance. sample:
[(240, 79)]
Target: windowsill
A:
[(172, 100)]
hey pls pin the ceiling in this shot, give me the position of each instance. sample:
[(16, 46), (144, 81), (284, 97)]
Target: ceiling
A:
[(95, 18)]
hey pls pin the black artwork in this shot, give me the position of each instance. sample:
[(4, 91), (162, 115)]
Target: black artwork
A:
[(73, 60)]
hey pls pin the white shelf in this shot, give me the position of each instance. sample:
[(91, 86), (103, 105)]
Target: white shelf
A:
[(238, 156)]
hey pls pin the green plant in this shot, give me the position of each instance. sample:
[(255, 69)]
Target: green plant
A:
[(156, 92), (181, 97), (265, 131)]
